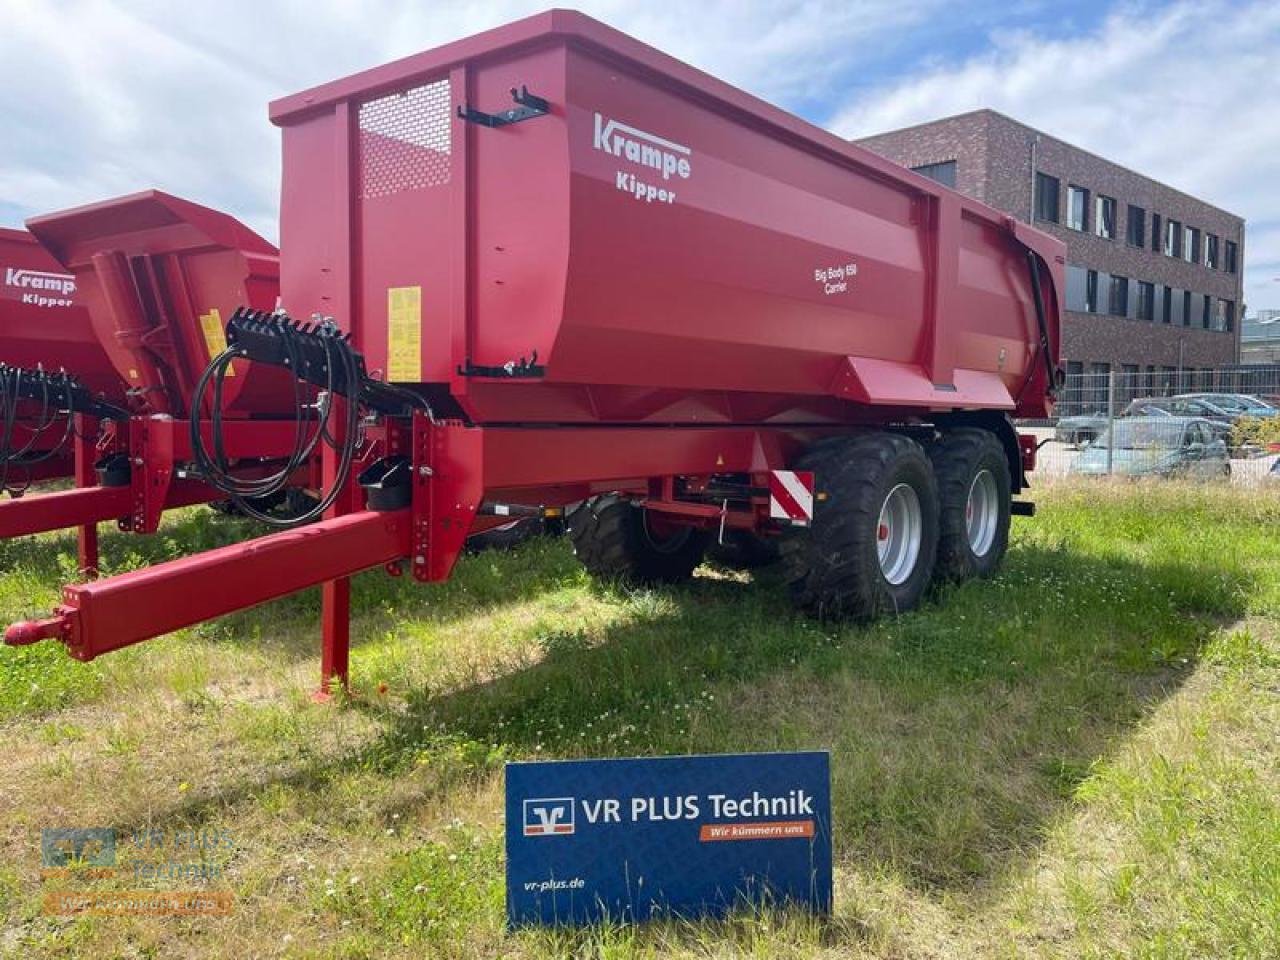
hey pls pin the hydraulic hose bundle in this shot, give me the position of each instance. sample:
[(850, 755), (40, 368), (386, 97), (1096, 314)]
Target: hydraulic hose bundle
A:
[(332, 369), (53, 396), (319, 355)]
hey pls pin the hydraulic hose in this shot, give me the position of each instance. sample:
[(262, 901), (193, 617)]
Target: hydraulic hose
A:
[(10, 398), (341, 368)]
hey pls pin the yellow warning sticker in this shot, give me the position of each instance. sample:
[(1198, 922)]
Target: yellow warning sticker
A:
[(404, 334), (215, 337)]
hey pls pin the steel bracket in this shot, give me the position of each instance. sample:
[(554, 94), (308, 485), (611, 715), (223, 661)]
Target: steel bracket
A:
[(527, 107)]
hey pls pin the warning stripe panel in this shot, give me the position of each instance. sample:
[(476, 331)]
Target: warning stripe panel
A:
[(791, 495)]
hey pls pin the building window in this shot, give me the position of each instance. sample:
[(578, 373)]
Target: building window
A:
[(1230, 256), (1077, 208), (1099, 383), (1172, 238), (1186, 308), (1156, 236), (1046, 198), (1091, 291), (1224, 315), (944, 173), (1129, 376), (1146, 301), (1076, 296), (1104, 217), (1166, 310), (1207, 309), (1211, 251), (1118, 298), (1136, 227), (1073, 393), (1191, 245)]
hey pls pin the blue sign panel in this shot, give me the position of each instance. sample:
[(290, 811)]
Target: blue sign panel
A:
[(637, 838)]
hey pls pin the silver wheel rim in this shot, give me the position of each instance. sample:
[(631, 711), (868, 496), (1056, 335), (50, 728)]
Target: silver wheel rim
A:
[(981, 511), (898, 534)]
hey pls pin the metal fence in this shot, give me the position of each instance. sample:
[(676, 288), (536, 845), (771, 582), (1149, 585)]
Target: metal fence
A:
[(1220, 425)]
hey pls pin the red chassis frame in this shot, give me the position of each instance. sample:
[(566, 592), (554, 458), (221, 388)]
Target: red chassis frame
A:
[(455, 468), (156, 446)]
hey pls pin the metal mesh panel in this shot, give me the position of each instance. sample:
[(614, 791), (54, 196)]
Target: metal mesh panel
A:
[(1210, 424), (405, 141)]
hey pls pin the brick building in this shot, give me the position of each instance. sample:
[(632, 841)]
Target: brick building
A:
[(1154, 279)]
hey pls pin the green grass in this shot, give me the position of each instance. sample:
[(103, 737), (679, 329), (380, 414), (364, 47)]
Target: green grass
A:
[(1078, 758)]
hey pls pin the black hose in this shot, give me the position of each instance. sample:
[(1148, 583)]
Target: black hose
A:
[(11, 398), (242, 491)]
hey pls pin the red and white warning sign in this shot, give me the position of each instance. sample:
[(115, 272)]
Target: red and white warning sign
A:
[(791, 495)]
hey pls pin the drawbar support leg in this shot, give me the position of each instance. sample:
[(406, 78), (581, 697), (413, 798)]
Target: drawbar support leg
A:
[(85, 477), (335, 595)]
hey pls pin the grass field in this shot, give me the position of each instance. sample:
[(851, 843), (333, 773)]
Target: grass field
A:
[(1079, 758)]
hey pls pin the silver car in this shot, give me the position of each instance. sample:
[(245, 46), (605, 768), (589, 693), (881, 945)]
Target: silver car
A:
[(1157, 447)]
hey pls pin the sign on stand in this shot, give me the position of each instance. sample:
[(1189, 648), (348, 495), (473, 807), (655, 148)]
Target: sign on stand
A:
[(633, 839)]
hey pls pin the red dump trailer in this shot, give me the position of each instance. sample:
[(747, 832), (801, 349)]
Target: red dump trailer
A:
[(155, 277), (44, 334), (159, 276), (549, 263)]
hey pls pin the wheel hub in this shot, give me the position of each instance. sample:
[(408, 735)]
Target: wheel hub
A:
[(899, 533), (982, 512)]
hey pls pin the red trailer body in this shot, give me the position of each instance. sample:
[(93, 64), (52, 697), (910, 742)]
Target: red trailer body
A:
[(159, 276), (155, 277), (43, 320), (576, 267), (673, 249), (43, 326)]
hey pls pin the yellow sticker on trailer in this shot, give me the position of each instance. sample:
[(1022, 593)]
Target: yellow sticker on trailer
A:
[(215, 336), (404, 334)]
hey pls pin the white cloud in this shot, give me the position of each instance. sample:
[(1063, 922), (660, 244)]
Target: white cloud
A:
[(103, 97), (1189, 94)]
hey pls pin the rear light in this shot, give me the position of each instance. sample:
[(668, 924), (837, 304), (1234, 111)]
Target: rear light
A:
[(1027, 445)]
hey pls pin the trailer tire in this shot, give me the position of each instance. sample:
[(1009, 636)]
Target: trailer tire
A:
[(743, 550), (613, 539), (836, 569), (974, 498)]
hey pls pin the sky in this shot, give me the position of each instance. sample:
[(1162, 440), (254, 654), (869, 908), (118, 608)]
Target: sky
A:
[(104, 97)]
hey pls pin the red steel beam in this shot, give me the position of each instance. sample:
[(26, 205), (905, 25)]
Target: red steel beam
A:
[(105, 615), (87, 505)]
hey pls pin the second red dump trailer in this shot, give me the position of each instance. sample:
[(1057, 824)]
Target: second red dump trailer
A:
[(48, 356), (154, 277), (549, 263)]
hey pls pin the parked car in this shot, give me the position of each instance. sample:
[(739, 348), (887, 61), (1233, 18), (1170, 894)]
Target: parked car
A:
[(1080, 430), (1084, 429), (1234, 405), (1157, 446)]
